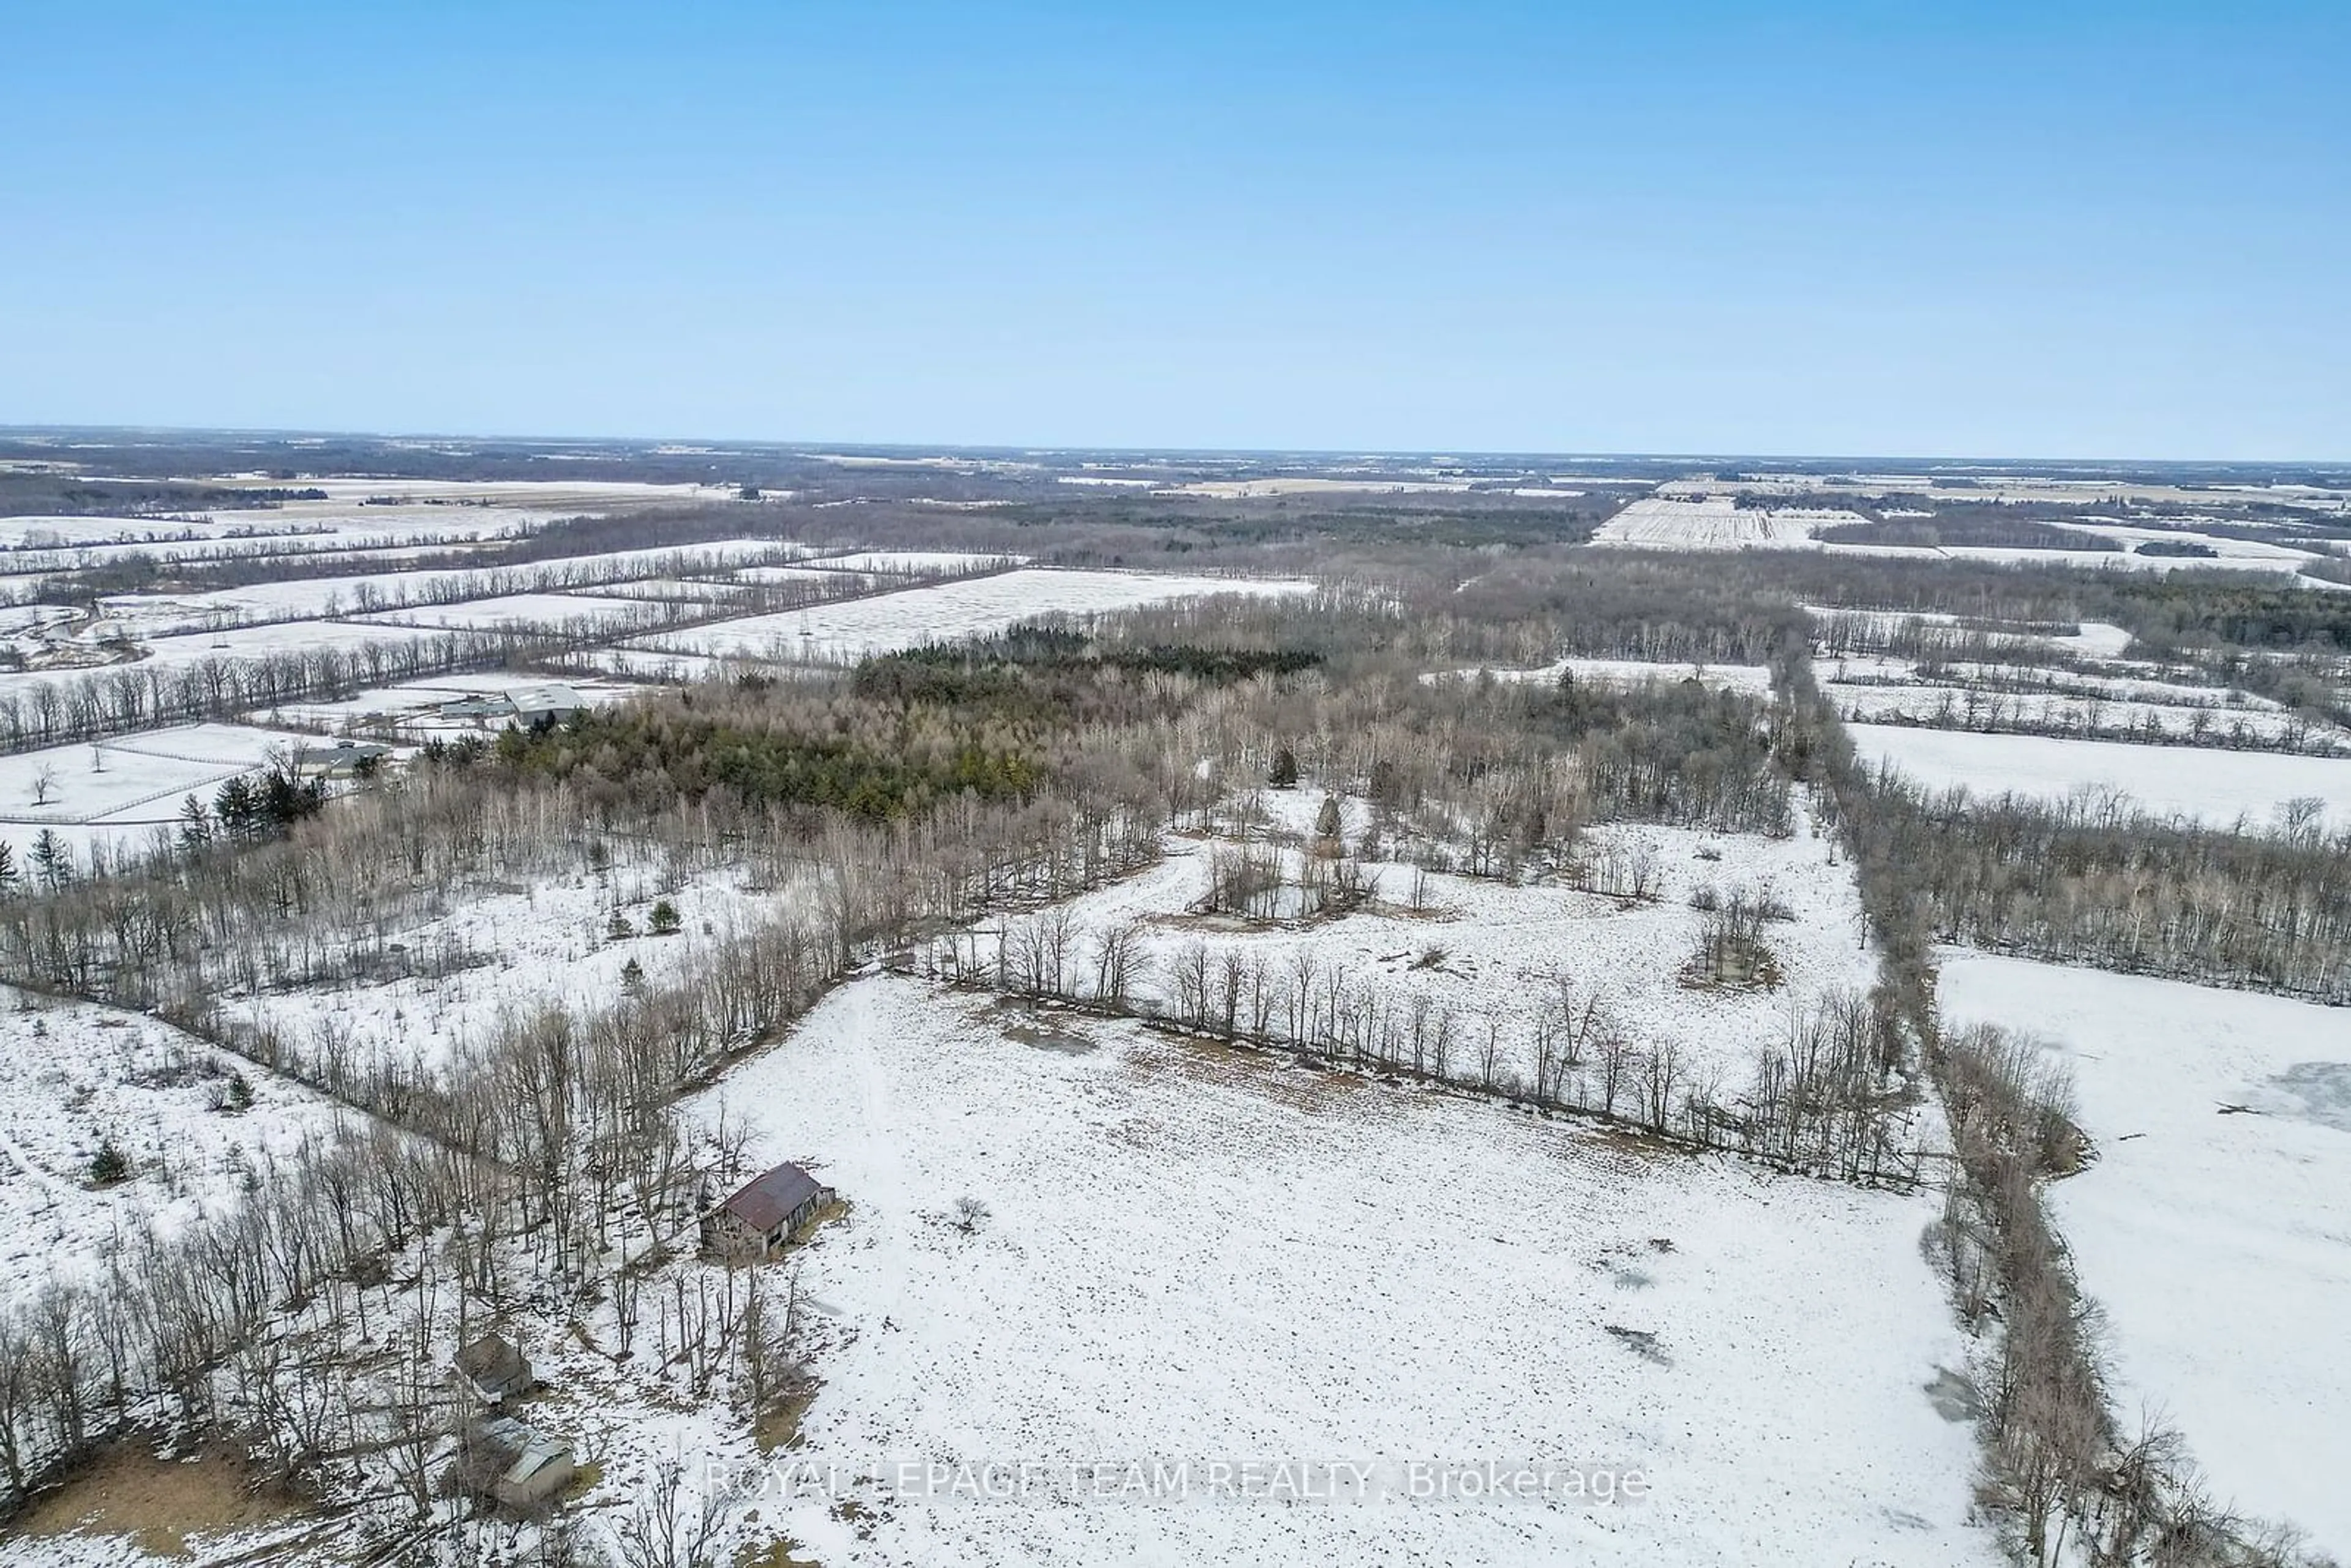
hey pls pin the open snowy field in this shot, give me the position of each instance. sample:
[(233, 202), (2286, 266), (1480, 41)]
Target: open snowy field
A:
[(75, 1076), (2211, 786), (2215, 1225), (1960, 705), (123, 790), (1753, 679), (1195, 1256), (155, 615), (250, 641), (916, 563), (947, 612), (413, 709), (501, 954), (1495, 956), (1713, 522), (2092, 640), (575, 613)]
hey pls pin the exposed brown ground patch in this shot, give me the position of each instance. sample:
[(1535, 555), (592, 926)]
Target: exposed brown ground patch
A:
[(158, 1503), (1300, 1088)]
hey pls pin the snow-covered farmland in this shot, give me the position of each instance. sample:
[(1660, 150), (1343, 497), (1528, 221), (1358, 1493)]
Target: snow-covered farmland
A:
[(1200, 1255), (2215, 786), (1987, 705), (415, 707), (121, 790), (577, 613), (74, 1077), (891, 622), (916, 563), (148, 615), (1753, 679), (499, 955), (1492, 953), (1714, 522), (2215, 1224), (2091, 639)]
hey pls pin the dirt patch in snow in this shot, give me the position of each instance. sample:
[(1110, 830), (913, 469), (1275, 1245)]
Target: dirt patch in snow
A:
[(157, 1502)]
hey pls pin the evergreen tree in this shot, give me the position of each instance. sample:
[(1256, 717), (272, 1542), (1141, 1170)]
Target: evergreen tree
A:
[(195, 825), (1285, 770), (52, 861)]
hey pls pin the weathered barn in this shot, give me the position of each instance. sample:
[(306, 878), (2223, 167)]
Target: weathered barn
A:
[(762, 1217), (493, 1371), (519, 1466)]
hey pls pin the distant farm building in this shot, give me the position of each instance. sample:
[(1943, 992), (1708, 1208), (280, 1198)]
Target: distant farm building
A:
[(493, 1370), (341, 760), (762, 1217), (526, 705)]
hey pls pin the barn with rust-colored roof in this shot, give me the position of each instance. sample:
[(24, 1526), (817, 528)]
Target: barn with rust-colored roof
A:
[(762, 1217)]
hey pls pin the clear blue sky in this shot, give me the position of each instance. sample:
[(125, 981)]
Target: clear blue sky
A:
[(1916, 228)]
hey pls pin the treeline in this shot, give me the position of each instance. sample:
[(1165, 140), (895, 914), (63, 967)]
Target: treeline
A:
[(655, 753), (2089, 881), (1993, 526), (119, 699), (451, 577), (1828, 1098), (2070, 1481)]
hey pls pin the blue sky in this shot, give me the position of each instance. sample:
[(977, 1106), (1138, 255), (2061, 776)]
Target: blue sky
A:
[(2098, 230)]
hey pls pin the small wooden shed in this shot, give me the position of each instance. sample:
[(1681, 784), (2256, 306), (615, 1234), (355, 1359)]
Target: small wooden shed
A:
[(493, 1370)]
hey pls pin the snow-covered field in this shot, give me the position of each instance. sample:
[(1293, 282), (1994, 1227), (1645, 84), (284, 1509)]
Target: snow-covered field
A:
[(1753, 679), (1194, 1256), (415, 708), (154, 615), (916, 563), (2210, 786), (576, 613), (1714, 522), (2215, 1225), (1492, 953), (73, 1077), (1988, 708), (509, 954), (123, 790), (948, 611), (2094, 640)]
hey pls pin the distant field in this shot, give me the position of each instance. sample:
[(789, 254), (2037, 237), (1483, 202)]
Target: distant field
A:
[(571, 611), (1713, 522), (1753, 679), (943, 613), (121, 790), (2210, 786), (2218, 1242)]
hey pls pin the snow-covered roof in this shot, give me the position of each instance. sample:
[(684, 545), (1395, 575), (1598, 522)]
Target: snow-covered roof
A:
[(553, 697)]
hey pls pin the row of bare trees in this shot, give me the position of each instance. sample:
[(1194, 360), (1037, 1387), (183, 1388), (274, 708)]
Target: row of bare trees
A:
[(1829, 1098), (2073, 1483)]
